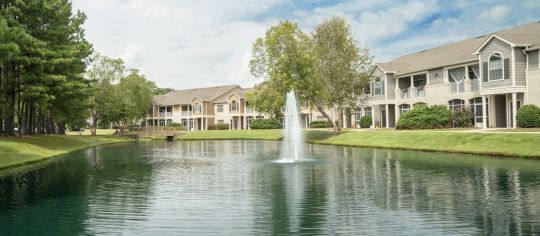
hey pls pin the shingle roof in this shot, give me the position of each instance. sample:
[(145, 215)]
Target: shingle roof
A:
[(186, 96), (459, 52)]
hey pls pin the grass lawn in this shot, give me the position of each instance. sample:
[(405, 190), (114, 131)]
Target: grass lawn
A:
[(88, 132), (517, 130), (19, 151), (519, 145), (263, 134)]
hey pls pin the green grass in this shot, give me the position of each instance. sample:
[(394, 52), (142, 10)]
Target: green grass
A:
[(518, 145), (517, 130), (263, 134), (88, 132), (20, 151)]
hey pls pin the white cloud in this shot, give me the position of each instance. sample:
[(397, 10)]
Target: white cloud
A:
[(496, 13)]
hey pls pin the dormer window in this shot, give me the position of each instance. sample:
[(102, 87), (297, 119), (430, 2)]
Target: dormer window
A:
[(233, 106), (495, 67), (378, 87), (197, 108)]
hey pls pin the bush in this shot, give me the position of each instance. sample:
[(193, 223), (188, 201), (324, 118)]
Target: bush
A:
[(178, 126), (426, 117), (528, 116), (366, 121), (320, 124), (265, 124), (463, 118), (218, 127)]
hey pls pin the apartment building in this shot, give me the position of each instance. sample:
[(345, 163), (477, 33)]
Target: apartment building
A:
[(197, 108), (493, 75)]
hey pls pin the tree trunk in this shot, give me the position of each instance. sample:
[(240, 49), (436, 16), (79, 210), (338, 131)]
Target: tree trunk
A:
[(94, 124), (320, 108)]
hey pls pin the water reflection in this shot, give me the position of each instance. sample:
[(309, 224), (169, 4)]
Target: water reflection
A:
[(234, 187)]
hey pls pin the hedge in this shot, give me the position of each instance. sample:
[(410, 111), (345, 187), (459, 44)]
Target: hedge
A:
[(426, 117), (265, 124), (218, 127), (320, 124), (366, 121), (528, 116)]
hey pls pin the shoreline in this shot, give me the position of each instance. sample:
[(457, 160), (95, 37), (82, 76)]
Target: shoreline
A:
[(17, 152)]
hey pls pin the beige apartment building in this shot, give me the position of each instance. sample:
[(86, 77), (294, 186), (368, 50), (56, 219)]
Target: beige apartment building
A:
[(493, 75)]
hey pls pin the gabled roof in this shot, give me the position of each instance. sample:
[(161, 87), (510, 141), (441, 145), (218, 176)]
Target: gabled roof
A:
[(460, 52), (185, 96)]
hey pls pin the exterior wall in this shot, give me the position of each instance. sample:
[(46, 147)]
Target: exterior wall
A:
[(533, 60), (496, 45), (435, 76), (520, 66), (533, 87), (195, 101), (377, 72), (231, 98), (390, 87), (221, 115)]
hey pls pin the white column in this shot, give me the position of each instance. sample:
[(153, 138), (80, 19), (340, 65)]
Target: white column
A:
[(230, 123), (387, 116), (514, 110), (373, 115), (484, 112)]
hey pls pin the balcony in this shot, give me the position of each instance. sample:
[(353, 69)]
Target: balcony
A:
[(475, 85), (456, 88), (249, 110), (420, 92), (186, 113), (404, 93)]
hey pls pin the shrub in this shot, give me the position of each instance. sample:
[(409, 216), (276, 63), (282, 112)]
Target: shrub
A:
[(528, 116), (178, 126), (320, 124), (463, 118), (426, 117), (365, 121), (265, 124), (218, 127)]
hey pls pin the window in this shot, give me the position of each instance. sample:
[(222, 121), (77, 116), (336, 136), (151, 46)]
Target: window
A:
[(404, 108), (197, 108), (169, 121), (358, 115), (476, 108), (220, 122), (367, 111), (184, 123), (219, 108), (161, 122), (495, 67), (378, 87), (456, 105), (233, 106)]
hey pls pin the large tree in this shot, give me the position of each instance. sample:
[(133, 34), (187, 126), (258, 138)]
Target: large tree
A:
[(343, 68), (325, 69)]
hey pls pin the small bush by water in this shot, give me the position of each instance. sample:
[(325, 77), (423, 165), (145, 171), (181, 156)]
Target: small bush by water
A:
[(528, 116), (218, 127), (365, 121), (320, 124), (265, 124), (463, 118)]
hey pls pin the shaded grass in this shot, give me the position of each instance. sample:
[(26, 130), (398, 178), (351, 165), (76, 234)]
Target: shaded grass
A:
[(262, 134), (20, 151), (517, 130), (518, 145), (89, 132)]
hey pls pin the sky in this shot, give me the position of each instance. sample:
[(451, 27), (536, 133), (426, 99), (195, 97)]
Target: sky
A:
[(185, 44)]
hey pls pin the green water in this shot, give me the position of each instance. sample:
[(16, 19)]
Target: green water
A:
[(236, 188)]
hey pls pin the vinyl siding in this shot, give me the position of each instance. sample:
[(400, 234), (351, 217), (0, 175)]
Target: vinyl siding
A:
[(497, 45), (377, 72), (520, 66), (436, 76), (390, 87), (533, 60)]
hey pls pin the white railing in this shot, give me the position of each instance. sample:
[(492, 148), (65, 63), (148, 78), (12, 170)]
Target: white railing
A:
[(249, 110), (456, 87), (475, 85), (186, 113), (404, 93), (420, 92)]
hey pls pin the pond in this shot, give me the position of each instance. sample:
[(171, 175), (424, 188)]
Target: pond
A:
[(237, 188)]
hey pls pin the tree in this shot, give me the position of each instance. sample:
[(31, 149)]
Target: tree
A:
[(342, 67), (135, 95), (103, 73), (267, 99)]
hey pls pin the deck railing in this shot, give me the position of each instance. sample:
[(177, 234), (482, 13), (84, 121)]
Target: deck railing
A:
[(475, 85), (456, 87)]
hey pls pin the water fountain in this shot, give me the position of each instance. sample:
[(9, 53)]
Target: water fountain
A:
[(293, 138)]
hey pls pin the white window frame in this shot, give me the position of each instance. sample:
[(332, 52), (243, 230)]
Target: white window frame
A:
[(197, 108), (219, 108), (402, 109), (220, 122), (235, 107), (489, 66), (380, 82)]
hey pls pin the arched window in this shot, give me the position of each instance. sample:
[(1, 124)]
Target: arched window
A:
[(197, 108), (456, 105), (496, 67), (234, 105), (404, 108)]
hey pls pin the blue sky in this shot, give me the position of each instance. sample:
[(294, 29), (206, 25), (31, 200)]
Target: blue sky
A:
[(186, 44)]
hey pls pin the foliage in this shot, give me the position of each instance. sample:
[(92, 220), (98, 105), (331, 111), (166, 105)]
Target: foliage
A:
[(463, 118), (426, 117), (218, 126), (262, 134), (161, 91), (324, 69), (528, 116), (265, 124), (366, 121), (320, 124)]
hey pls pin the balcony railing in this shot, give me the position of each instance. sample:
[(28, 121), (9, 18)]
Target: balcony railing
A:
[(249, 110), (475, 85), (186, 113), (404, 93), (456, 87), (420, 92)]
